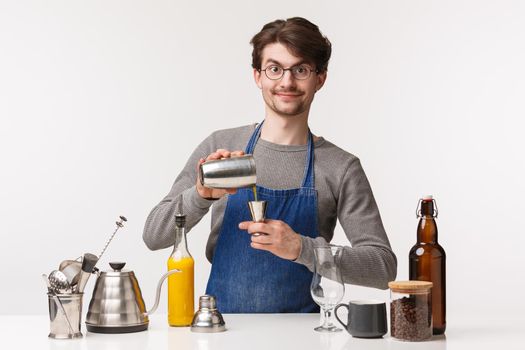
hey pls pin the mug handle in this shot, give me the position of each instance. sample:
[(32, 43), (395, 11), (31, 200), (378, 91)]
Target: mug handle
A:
[(335, 313)]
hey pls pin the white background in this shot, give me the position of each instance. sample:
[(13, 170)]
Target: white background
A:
[(101, 103)]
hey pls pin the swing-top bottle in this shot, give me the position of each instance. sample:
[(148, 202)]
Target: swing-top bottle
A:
[(181, 306), (427, 261)]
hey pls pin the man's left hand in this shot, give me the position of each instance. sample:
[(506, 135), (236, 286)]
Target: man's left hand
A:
[(276, 237)]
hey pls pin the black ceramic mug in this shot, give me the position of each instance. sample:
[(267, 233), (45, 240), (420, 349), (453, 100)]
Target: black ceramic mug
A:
[(366, 318)]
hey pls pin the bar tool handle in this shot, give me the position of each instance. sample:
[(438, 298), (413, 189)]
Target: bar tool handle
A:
[(119, 225)]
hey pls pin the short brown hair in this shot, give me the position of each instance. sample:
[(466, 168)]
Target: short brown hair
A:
[(300, 36)]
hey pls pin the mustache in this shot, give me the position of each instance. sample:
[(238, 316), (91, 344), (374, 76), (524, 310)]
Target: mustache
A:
[(287, 91)]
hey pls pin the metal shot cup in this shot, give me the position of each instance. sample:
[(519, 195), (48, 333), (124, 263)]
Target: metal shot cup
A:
[(258, 212), (58, 322), (235, 172)]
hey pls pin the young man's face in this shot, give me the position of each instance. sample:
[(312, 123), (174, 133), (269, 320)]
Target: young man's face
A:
[(287, 96)]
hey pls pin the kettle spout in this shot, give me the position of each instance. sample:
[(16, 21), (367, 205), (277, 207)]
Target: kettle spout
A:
[(159, 287)]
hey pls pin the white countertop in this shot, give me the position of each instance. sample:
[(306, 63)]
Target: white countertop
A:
[(256, 331)]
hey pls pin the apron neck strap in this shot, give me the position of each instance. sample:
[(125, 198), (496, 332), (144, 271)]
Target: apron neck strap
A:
[(308, 178), (250, 147)]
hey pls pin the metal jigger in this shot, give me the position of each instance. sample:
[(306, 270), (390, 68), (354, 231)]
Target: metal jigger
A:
[(258, 212)]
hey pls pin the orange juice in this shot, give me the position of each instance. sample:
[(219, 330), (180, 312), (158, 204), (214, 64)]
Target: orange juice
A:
[(180, 291), (180, 285)]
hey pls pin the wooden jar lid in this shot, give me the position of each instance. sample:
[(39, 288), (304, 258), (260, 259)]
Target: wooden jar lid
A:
[(411, 287)]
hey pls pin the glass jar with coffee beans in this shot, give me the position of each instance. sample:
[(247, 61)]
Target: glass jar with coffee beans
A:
[(410, 310)]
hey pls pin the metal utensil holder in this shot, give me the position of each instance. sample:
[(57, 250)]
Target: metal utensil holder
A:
[(59, 324)]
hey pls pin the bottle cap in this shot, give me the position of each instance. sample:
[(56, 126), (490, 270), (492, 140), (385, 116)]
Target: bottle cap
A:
[(207, 302), (427, 197), (180, 220)]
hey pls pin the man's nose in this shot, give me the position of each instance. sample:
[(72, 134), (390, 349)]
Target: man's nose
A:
[(287, 79)]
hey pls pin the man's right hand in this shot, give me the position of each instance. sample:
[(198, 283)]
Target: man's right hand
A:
[(215, 193)]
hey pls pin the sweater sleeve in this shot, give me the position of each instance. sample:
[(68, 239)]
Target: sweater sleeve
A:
[(370, 260), (160, 224)]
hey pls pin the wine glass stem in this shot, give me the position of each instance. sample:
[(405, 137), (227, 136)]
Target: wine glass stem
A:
[(327, 318)]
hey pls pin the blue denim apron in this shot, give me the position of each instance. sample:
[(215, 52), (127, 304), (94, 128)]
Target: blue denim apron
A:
[(247, 280)]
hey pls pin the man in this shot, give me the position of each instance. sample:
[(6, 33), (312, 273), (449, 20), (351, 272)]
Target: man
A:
[(308, 182)]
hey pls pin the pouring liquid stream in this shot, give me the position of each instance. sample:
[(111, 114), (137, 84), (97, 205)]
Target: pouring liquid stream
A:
[(254, 189)]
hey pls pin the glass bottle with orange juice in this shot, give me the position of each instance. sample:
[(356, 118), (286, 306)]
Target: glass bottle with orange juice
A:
[(180, 285)]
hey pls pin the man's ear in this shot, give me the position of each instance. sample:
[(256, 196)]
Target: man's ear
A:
[(257, 77), (321, 78)]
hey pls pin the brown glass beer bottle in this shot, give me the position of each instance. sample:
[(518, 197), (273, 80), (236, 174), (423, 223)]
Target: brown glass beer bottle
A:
[(427, 261)]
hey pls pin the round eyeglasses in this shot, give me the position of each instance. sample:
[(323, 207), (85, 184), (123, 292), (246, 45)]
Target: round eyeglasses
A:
[(300, 72)]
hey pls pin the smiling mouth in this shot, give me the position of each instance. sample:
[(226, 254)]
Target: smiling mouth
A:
[(286, 95)]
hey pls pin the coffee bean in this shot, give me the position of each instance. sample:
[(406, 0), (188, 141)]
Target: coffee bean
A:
[(411, 318)]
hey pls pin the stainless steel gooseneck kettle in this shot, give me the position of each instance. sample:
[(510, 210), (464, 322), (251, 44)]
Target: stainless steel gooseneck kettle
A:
[(117, 305)]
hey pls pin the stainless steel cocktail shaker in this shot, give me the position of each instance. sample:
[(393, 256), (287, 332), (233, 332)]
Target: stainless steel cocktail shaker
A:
[(208, 319), (235, 172)]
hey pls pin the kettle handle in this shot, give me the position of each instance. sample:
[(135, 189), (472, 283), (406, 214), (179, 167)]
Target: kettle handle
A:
[(159, 286)]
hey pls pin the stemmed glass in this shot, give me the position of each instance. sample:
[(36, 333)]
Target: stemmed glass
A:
[(327, 286)]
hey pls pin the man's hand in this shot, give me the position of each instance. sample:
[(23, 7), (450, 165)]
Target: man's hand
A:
[(277, 237), (215, 193)]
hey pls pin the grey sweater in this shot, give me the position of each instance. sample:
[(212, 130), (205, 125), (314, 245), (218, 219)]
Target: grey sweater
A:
[(343, 193)]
